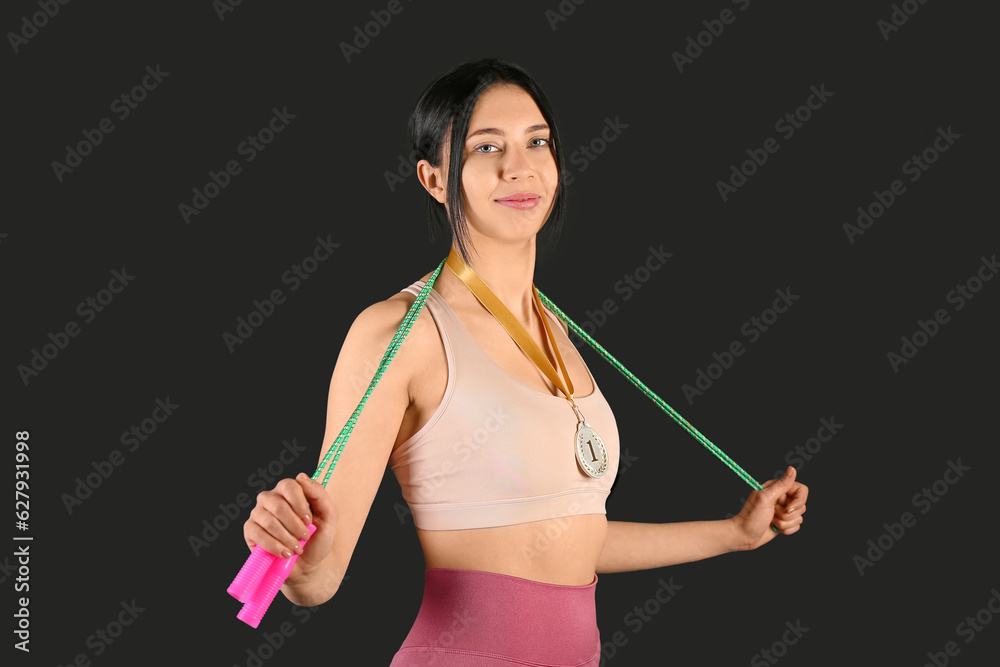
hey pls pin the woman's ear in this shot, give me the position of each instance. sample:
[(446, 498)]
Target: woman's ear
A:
[(434, 180)]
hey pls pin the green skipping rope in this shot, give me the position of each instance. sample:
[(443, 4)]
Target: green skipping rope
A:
[(404, 328)]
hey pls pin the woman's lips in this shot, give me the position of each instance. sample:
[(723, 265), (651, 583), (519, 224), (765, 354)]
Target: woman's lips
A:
[(522, 200)]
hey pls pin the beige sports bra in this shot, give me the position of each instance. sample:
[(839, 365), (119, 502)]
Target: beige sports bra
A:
[(497, 452)]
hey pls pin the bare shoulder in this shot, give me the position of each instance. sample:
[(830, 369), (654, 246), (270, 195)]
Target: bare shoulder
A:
[(382, 316), (374, 327)]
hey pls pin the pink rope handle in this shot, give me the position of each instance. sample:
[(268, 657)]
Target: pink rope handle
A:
[(259, 581)]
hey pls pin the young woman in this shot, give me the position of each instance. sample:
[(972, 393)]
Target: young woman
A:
[(509, 506)]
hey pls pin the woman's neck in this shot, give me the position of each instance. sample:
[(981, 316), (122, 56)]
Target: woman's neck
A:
[(508, 270)]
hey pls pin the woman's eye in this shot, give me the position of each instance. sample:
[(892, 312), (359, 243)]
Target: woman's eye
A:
[(545, 141), (480, 149)]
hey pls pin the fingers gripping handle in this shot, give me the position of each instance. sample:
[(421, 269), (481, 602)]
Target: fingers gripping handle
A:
[(259, 581)]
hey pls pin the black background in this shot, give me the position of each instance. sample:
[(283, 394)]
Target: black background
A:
[(655, 184)]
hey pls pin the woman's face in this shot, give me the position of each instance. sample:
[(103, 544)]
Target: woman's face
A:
[(506, 153)]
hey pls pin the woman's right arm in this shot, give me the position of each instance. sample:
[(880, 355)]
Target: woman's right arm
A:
[(339, 511)]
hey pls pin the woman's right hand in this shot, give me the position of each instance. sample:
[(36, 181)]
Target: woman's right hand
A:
[(282, 515)]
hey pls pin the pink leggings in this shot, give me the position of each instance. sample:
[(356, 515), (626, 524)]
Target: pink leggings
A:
[(470, 618)]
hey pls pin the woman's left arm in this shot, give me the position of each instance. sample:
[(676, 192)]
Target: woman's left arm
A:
[(643, 546)]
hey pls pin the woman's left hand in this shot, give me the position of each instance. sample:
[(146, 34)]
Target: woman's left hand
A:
[(781, 502)]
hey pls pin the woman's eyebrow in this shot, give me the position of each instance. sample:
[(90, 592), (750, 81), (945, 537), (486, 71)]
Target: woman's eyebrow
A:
[(493, 130)]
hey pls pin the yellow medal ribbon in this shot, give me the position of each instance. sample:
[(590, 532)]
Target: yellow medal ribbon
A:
[(513, 326), (585, 434)]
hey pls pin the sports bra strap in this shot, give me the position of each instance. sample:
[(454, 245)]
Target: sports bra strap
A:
[(404, 328)]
